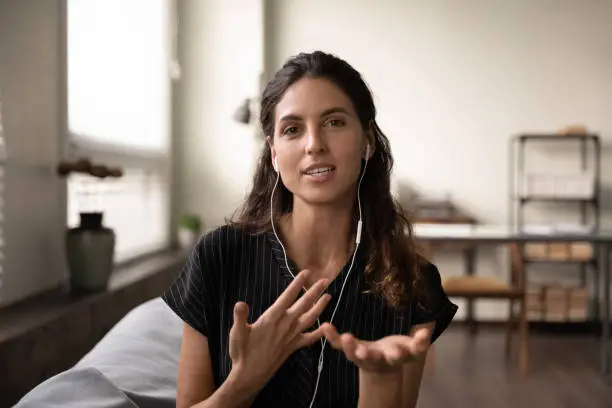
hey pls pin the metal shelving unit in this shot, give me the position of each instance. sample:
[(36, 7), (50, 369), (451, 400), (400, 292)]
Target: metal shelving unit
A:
[(517, 171), (521, 194)]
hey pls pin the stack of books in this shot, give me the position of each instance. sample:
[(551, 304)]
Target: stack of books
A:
[(557, 304), (559, 251), (535, 304), (578, 308)]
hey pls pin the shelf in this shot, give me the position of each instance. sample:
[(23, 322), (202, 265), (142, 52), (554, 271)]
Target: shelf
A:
[(558, 304), (571, 251), (536, 185), (558, 137), (559, 261), (551, 199), (577, 186), (582, 185)]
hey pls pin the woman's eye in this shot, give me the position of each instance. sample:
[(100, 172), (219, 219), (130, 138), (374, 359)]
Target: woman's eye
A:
[(335, 122), (290, 130)]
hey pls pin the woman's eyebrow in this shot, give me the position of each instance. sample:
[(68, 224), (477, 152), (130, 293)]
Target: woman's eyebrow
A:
[(337, 109), (326, 112)]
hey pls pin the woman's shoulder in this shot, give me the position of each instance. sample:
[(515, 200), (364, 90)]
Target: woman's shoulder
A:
[(430, 275), (433, 303), (428, 284)]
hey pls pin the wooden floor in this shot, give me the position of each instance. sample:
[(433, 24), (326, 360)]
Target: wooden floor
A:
[(473, 372)]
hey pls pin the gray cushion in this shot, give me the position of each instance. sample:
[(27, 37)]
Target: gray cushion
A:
[(76, 388), (135, 364)]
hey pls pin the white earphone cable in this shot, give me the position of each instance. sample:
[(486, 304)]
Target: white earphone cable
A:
[(357, 241)]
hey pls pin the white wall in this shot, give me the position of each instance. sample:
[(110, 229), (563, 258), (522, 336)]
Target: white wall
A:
[(32, 86), (453, 80), (221, 53)]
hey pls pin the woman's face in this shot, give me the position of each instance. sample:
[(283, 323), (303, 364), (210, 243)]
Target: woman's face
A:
[(318, 142)]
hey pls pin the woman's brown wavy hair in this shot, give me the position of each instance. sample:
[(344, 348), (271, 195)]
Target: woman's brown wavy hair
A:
[(393, 267)]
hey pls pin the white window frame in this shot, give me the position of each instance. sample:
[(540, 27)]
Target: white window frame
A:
[(129, 157)]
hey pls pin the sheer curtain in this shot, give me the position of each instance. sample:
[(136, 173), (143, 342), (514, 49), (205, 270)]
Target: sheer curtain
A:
[(119, 107)]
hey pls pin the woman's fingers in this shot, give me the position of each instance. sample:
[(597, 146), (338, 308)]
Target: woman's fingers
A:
[(388, 352), (241, 323), (287, 298), (364, 354), (422, 340), (345, 342), (394, 354), (304, 303), (412, 347), (309, 318), (350, 346), (309, 338), (332, 336)]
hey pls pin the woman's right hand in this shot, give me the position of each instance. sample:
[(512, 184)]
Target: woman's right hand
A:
[(258, 350)]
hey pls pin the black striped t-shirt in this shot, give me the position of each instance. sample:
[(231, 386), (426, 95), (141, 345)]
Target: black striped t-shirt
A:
[(228, 265)]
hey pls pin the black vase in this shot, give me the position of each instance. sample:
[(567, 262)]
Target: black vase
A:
[(90, 252)]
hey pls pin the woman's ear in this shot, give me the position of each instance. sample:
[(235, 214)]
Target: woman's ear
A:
[(370, 140), (273, 156)]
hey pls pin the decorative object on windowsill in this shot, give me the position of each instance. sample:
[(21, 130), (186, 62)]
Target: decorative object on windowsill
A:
[(246, 114), (86, 166), (90, 246), (243, 113), (190, 229)]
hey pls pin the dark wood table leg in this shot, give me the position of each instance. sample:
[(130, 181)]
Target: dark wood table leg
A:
[(470, 265)]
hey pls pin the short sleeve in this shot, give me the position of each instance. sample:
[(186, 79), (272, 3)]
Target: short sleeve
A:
[(193, 295), (435, 306)]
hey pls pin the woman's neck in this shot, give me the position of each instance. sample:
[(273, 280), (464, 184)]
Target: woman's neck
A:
[(318, 238)]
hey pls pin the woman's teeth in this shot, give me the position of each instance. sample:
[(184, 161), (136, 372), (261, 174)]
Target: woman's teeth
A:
[(319, 171)]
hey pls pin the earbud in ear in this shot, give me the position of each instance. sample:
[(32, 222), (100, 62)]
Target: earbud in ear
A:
[(367, 152), (276, 164)]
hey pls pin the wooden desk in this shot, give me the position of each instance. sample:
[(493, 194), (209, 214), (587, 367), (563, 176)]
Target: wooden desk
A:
[(478, 235)]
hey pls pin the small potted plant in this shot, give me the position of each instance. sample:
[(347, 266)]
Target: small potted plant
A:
[(190, 228)]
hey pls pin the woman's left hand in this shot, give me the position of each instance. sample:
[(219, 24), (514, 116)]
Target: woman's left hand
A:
[(384, 355)]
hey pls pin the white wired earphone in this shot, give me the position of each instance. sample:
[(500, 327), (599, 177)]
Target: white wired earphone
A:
[(357, 241)]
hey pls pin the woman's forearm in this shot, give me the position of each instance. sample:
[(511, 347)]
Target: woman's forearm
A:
[(231, 394), (380, 390)]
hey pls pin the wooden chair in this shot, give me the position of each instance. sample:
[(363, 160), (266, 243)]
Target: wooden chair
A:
[(472, 287)]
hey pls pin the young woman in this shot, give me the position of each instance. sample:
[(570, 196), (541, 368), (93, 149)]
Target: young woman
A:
[(314, 294)]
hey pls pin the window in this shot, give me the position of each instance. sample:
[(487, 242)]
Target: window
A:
[(119, 107)]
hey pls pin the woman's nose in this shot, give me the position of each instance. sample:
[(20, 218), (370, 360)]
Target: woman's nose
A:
[(315, 142)]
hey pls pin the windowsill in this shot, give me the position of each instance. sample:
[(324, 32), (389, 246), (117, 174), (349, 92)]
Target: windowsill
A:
[(41, 309), (52, 331)]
